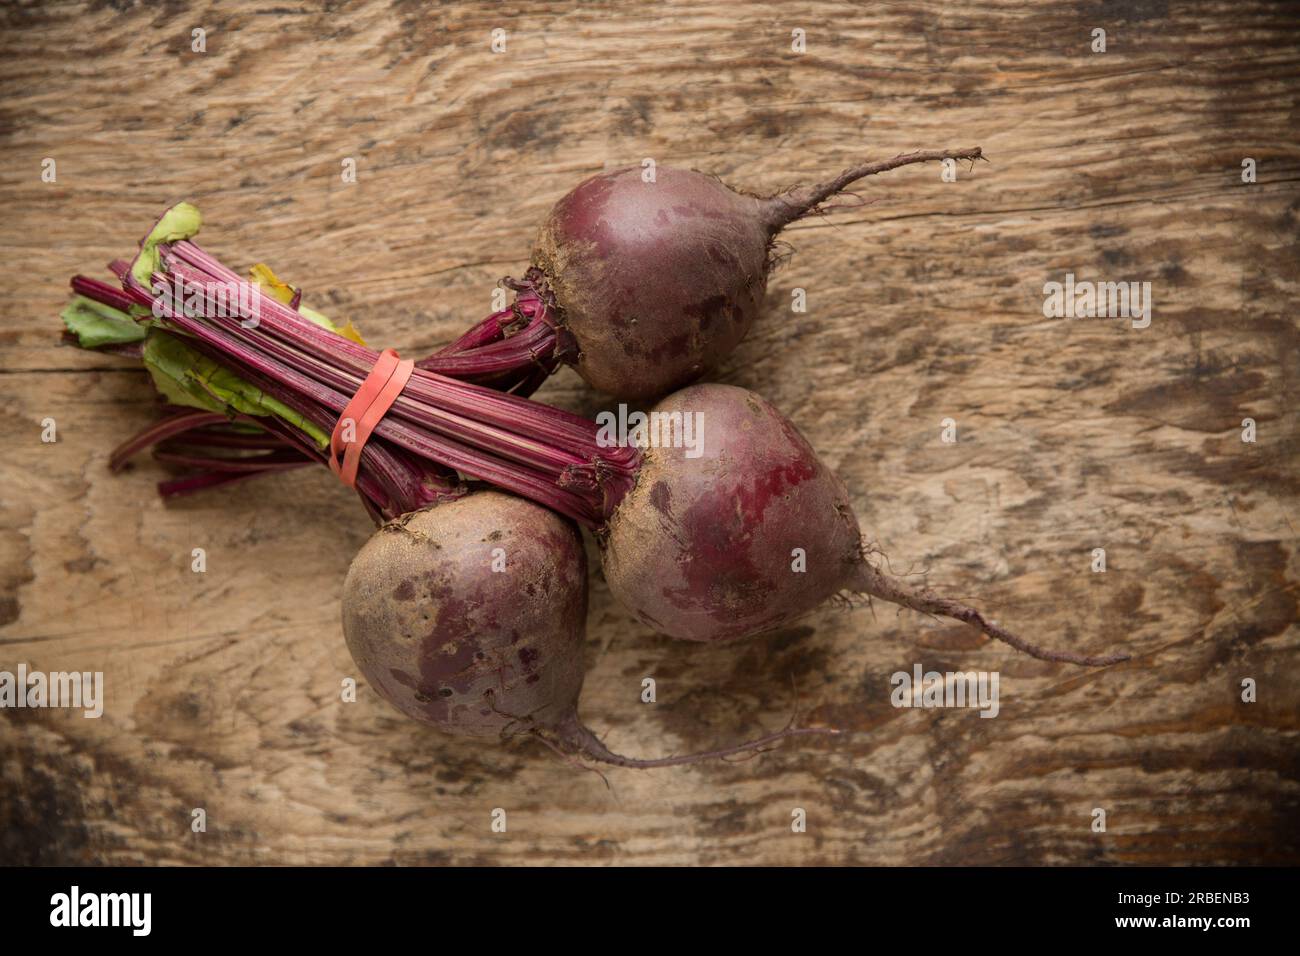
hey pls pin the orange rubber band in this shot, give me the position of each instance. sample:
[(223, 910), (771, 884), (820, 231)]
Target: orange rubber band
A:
[(368, 406)]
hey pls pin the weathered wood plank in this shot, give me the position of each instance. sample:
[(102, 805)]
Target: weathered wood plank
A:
[(925, 303)]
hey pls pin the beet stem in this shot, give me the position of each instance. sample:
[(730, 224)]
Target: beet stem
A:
[(876, 583), (781, 210), (535, 450), (160, 431), (102, 292), (541, 452), (201, 481)]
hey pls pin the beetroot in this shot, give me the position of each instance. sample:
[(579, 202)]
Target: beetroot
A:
[(643, 285), (657, 282), (449, 641), (705, 548), (470, 616)]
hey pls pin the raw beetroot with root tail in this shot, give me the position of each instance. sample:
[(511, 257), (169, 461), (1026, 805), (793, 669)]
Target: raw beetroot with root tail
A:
[(697, 537), (482, 642), (450, 641), (703, 546), (644, 283)]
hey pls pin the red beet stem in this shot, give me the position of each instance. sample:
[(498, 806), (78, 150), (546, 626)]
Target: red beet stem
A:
[(201, 481), (216, 438), (278, 324), (506, 350), (160, 431), (545, 454), (390, 483), (101, 292), (275, 461)]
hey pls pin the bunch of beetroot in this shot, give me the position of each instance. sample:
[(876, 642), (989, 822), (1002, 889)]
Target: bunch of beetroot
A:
[(466, 610)]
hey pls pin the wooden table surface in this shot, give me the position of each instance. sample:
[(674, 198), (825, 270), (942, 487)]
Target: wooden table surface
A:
[(924, 302)]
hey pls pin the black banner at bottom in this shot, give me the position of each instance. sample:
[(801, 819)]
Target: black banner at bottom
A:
[(333, 906)]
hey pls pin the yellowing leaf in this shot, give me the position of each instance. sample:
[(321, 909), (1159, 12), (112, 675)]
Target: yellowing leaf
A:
[(262, 276), (349, 331)]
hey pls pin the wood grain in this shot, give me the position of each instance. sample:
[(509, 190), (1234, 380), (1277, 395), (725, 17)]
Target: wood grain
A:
[(924, 303)]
